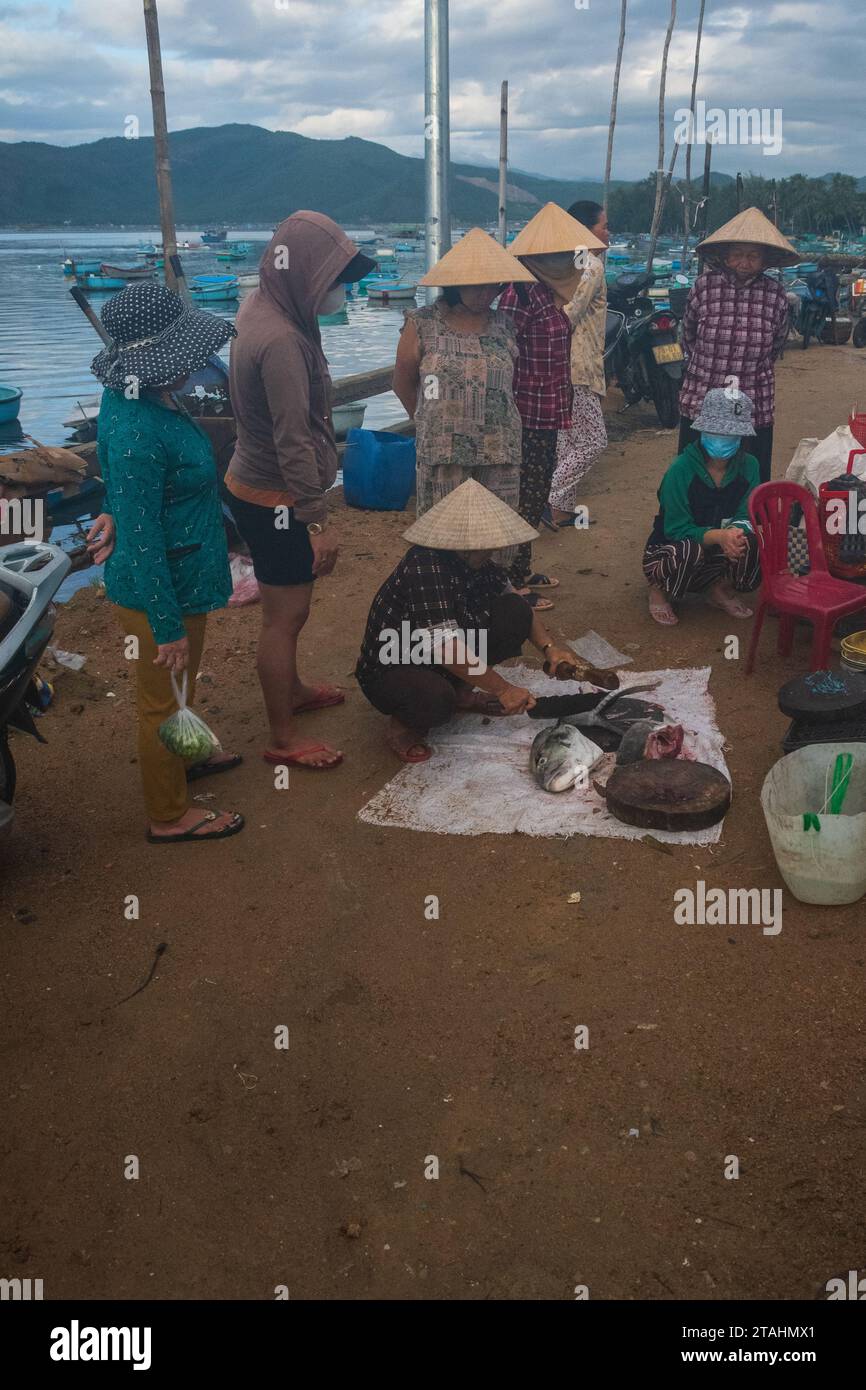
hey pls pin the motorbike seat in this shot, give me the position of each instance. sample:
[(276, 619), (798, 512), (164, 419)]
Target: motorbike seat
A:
[(633, 283), (613, 326)]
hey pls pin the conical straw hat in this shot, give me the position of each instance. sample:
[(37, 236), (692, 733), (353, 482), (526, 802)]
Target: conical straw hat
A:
[(476, 260), (552, 229), (470, 518), (753, 226)]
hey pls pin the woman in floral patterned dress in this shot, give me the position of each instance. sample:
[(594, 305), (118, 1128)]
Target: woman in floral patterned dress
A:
[(454, 372)]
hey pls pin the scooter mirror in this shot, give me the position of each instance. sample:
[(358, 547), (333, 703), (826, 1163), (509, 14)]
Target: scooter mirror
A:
[(681, 279)]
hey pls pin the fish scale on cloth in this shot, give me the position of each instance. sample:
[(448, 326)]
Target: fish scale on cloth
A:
[(478, 780)]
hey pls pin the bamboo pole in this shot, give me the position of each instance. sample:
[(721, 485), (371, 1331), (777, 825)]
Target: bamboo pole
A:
[(160, 141), (503, 163), (660, 169), (613, 102), (687, 198)]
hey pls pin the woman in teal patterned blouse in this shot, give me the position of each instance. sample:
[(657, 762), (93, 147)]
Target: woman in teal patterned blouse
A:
[(169, 567)]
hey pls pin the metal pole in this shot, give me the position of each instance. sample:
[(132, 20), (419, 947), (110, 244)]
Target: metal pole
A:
[(436, 134), (503, 163), (160, 142)]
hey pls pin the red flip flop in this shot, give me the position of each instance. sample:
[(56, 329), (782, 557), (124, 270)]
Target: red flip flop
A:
[(422, 756), (293, 759), (325, 697)]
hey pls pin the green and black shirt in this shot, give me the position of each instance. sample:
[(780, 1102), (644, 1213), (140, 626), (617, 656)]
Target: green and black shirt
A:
[(691, 504)]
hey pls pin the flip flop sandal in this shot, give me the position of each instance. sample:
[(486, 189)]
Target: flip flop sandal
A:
[(548, 521), (665, 617), (293, 759), (540, 581), (537, 601), (325, 697), (405, 755), (744, 610), (235, 824), (212, 769)]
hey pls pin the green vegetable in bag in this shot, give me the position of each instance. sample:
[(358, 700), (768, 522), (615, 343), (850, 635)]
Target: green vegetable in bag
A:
[(185, 733)]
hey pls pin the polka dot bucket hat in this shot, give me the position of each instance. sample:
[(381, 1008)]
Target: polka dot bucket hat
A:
[(155, 337)]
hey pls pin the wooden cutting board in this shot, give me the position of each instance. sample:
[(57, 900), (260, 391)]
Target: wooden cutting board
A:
[(671, 794)]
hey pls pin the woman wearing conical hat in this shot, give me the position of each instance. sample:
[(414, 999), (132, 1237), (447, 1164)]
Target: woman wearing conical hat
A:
[(445, 617), (735, 324), (454, 370), (553, 246)]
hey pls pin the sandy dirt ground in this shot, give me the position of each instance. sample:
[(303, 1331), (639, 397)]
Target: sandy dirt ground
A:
[(412, 1039)]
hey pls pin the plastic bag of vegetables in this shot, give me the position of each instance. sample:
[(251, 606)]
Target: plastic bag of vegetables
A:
[(184, 732)]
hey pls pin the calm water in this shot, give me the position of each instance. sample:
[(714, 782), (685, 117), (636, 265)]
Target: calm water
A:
[(47, 344)]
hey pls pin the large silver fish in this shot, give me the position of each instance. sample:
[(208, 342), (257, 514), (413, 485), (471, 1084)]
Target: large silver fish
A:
[(561, 756)]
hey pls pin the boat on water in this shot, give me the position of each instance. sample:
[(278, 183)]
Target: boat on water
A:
[(126, 272), (146, 249), (387, 291), (405, 248), (84, 414), (385, 253), (214, 236), (209, 289), (73, 266), (362, 238), (248, 280), (111, 283), (10, 404)]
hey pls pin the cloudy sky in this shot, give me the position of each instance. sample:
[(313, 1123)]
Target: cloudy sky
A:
[(73, 70)]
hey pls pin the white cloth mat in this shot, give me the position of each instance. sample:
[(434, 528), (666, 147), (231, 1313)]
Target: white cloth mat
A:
[(478, 780)]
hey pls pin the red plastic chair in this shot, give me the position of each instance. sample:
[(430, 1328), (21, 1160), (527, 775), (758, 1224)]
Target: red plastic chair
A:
[(816, 595)]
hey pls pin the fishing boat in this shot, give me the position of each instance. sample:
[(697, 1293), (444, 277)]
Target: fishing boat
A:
[(341, 316), (248, 280), (109, 283), (348, 417), (385, 253), (146, 249), (361, 238), (126, 272), (214, 236), (10, 404), (405, 248), (386, 291), (72, 266), (209, 289)]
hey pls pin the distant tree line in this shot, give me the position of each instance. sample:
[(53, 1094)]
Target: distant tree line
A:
[(802, 204)]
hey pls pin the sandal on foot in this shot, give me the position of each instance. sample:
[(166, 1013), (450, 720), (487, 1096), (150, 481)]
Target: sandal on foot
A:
[(324, 698), (541, 581), (211, 769), (663, 614), (235, 824), (415, 752), (548, 521), (735, 608), (535, 600), (293, 758)]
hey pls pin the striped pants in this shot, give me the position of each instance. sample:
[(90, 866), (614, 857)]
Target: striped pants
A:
[(680, 567)]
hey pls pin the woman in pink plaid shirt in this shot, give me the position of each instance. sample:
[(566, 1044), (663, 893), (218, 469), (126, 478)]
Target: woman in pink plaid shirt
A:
[(735, 325)]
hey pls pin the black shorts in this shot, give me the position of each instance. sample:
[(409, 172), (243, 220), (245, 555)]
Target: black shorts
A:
[(281, 555)]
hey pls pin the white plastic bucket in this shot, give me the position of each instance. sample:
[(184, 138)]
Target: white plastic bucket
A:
[(826, 865)]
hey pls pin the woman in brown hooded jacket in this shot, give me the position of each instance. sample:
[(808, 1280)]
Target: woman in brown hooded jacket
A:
[(285, 459)]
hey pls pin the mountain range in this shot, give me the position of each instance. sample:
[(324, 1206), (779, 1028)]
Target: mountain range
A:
[(241, 175)]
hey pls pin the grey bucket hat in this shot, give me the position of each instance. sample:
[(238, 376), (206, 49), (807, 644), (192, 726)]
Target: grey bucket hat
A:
[(725, 410)]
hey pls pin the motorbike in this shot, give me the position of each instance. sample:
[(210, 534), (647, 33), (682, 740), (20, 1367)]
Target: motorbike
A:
[(817, 305), (643, 354), (30, 575)]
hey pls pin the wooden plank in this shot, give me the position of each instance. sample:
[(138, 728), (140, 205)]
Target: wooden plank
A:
[(362, 385)]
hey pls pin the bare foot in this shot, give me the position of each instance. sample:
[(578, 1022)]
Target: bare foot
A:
[(166, 829), (408, 744), (660, 608), (722, 597)]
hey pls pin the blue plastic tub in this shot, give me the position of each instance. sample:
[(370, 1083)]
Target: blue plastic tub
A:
[(10, 403), (378, 470)]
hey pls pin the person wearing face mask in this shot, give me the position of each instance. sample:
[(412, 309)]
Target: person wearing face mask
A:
[(702, 540), (453, 374), (543, 390), (735, 324), (285, 460)]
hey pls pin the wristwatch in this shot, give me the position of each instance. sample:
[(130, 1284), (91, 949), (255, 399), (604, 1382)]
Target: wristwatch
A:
[(315, 528)]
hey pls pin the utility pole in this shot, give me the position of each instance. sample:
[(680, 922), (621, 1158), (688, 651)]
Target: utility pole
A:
[(503, 164), (437, 138), (160, 142)]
